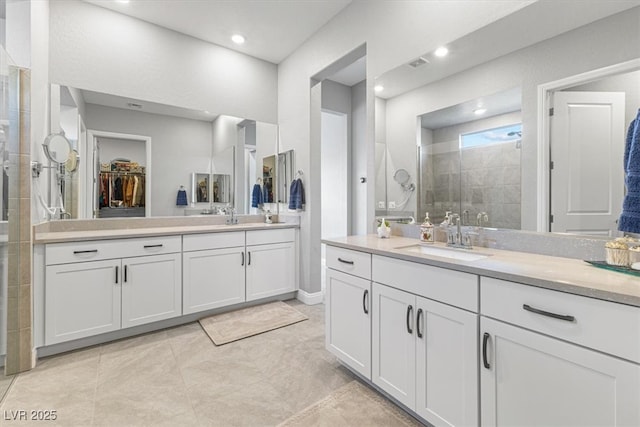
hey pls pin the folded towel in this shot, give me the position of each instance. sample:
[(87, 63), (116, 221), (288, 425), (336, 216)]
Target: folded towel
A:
[(256, 196), (296, 195), (630, 217), (181, 199)]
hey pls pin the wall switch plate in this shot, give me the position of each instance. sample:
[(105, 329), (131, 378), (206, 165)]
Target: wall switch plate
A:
[(380, 205), (392, 205)]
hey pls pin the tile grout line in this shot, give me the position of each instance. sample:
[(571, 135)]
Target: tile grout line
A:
[(186, 390)]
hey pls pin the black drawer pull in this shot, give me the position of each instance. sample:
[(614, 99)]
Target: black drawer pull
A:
[(153, 246), (365, 301), (420, 314), (117, 274), (344, 261), (485, 340), (409, 315), (564, 317), (125, 274), (242, 253), (90, 251), (249, 260)]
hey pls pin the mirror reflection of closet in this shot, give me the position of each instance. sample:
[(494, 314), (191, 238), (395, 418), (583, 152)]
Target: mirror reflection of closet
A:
[(122, 177), (269, 179)]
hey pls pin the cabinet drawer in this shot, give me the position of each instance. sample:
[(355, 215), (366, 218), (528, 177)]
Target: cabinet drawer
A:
[(439, 284), (62, 253), (201, 242), (348, 261), (264, 237), (606, 326)]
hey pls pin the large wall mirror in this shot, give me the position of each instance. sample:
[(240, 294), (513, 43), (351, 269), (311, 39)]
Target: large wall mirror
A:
[(467, 127), (140, 154)]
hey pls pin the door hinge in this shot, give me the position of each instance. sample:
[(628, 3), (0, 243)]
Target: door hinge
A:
[(551, 111), (550, 218), (551, 165)]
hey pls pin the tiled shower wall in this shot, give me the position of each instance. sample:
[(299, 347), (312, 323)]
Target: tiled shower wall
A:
[(479, 179), (19, 341)]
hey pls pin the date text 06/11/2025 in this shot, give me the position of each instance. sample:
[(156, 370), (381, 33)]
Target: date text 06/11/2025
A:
[(30, 415)]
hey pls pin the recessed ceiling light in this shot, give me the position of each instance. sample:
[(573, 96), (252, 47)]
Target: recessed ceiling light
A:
[(238, 38), (441, 51), (378, 88), (122, 1), (479, 111)]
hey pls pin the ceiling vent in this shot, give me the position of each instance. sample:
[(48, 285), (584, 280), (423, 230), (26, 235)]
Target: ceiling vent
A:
[(419, 62), (134, 105)]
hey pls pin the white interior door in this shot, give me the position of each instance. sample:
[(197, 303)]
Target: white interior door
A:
[(587, 148)]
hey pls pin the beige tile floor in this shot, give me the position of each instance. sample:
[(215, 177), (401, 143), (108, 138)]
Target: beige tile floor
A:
[(178, 377)]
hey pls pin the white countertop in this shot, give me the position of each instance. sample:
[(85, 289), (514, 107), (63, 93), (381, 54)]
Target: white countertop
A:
[(123, 233), (556, 273)]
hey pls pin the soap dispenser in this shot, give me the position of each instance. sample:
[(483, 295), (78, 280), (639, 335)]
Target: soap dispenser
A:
[(267, 217), (426, 230)]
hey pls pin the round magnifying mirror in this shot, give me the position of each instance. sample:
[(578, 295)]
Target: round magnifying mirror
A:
[(71, 165), (57, 148), (401, 176)]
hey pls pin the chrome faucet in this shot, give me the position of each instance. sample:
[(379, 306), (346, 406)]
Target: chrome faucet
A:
[(231, 216), (458, 240), (482, 218)]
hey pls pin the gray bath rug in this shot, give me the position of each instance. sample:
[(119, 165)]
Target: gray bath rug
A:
[(236, 325), (353, 404)]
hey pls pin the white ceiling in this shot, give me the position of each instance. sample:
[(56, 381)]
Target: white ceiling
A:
[(273, 28), (351, 74)]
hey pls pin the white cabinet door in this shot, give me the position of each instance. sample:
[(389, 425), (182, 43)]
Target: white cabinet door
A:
[(348, 320), (151, 289), (270, 270), (212, 279), (446, 364), (394, 344), (81, 299), (528, 379)]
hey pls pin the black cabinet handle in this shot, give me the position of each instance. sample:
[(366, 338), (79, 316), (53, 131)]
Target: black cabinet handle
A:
[(364, 301), (409, 313), (564, 317), (485, 340), (117, 268), (249, 262), (153, 246), (242, 253), (420, 313), (344, 261), (125, 274), (91, 251)]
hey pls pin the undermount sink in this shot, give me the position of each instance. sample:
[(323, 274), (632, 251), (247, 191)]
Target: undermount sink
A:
[(458, 254)]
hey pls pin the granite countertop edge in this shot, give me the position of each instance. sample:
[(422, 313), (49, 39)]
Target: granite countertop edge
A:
[(76, 236), (476, 267)]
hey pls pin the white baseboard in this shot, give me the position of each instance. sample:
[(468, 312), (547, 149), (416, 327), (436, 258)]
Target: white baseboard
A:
[(310, 299)]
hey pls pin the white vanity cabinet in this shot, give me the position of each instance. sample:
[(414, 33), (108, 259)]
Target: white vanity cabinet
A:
[(348, 308), (549, 358), (222, 269), (425, 351), (270, 263), (213, 274), (100, 286)]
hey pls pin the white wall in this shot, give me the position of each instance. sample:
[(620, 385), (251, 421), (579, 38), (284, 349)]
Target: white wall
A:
[(97, 49), (335, 170), (359, 160), (179, 147), (586, 48), (111, 148)]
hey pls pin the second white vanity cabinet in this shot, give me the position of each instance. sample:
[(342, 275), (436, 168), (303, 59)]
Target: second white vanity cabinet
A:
[(348, 308), (213, 273), (549, 358), (270, 263), (424, 352), (101, 286), (222, 269)]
